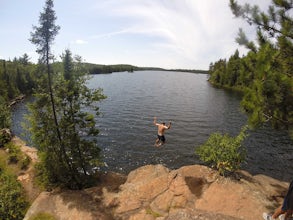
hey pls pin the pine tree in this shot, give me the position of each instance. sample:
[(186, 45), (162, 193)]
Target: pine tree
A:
[(43, 36), (77, 126), (275, 23), (233, 69), (269, 96), (48, 135), (61, 128)]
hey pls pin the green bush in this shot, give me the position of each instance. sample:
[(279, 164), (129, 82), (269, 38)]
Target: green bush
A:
[(16, 156), (5, 136), (13, 204), (14, 152), (43, 178), (223, 152), (42, 216), (24, 162)]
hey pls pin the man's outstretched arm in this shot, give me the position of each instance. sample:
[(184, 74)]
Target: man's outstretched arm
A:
[(155, 120)]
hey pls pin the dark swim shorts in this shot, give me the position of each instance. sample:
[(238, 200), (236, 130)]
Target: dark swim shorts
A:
[(162, 138)]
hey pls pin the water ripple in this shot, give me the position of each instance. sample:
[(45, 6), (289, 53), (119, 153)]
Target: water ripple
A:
[(127, 133)]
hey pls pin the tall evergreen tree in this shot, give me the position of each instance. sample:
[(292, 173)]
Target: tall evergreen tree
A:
[(43, 37), (269, 98), (77, 125), (61, 128)]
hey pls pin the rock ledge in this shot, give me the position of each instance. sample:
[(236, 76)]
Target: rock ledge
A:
[(153, 192)]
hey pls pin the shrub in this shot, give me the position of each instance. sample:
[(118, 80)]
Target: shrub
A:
[(14, 152), (5, 136), (42, 216), (24, 162), (13, 204), (223, 152)]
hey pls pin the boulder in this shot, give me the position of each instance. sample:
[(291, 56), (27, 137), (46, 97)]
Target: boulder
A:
[(154, 192)]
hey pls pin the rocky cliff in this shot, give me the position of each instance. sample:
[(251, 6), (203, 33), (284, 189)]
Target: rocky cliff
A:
[(154, 192)]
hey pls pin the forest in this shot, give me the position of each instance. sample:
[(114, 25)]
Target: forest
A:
[(264, 74), (18, 77)]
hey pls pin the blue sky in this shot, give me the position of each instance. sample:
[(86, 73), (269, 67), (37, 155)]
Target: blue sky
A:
[(188, 34)]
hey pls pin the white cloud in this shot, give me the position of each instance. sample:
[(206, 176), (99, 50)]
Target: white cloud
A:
[(111, 34), (80, 42), (164, 33), (171, 27)]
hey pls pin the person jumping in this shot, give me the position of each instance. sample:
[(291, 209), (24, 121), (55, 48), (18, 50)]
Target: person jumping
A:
[(161, 130)]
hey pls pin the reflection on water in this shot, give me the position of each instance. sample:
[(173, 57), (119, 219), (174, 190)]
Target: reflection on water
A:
[(196, 109)]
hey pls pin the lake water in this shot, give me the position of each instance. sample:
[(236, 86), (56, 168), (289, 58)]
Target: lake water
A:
[(195, 108)]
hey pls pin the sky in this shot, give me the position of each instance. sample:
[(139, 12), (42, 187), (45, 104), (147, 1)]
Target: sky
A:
[(171, 34)]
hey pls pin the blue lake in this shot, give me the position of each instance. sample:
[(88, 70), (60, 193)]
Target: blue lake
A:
[(195, 108)]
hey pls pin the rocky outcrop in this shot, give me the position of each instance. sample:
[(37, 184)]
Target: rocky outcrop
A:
[(154, 192), (68, 205), (26, 177)]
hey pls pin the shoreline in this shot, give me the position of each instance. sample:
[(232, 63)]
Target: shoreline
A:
[(158, 193), (17, 100), (126, 173)]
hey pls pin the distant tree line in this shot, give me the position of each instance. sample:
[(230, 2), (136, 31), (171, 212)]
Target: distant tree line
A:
[(100, 69), (16, 77), (19, 77), (265, 73)]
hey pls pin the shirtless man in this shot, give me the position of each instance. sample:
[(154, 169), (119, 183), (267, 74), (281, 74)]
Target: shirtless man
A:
[(161, 130)]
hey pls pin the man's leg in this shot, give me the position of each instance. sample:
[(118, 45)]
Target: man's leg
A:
[(278, 212), (157, 141), (163, 140), (288, 214)]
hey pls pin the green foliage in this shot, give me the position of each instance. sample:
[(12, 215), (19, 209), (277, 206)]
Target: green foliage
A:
[(25, 162), (265, 73), (13, 204), (13, 152), (71, 160), (223, 152), (44, 35), (15, 156), (5, 136), (98, 69), (16, 78), (42, 216), (5, 115), (154, 214), (278, 13), (102, 69), (44, 120), (44, 178)]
